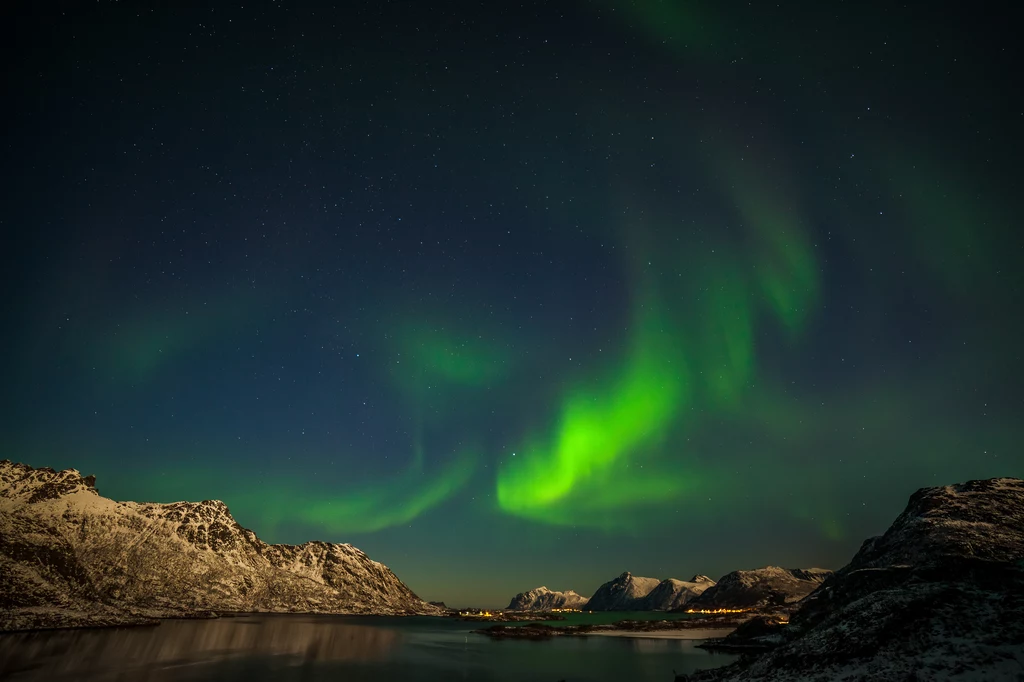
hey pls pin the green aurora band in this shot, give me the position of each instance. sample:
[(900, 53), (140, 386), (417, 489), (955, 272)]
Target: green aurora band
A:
[(139, 344), (275, 499), (605, 458), (390, 502), (438, 355), (582, 469), (689, 354), (680, 26)]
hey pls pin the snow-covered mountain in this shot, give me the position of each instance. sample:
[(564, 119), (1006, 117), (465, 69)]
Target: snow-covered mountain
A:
[(543, 599), (72, 557), (760, 587), (939, 596), (625, 593), (673, 594)]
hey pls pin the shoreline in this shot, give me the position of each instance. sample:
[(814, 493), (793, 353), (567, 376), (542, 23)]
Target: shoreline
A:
[(690, 634), (695, 629), (681, 629), (141, 620), (681, 634)]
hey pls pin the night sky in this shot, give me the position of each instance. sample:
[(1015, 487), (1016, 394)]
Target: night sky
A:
[(518, 294)]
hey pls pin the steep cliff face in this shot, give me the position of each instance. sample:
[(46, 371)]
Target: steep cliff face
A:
[(938, 596), (675, 594), (625, 593), (543, 599), (75, 557), (760, 587)]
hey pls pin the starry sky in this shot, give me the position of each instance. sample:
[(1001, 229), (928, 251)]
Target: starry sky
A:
[(518, 294)]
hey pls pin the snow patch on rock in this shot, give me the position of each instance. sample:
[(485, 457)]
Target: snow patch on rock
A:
[(625, 593), (543, 599), (939, 596), (72, 557)]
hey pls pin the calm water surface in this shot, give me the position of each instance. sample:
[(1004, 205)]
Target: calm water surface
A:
[(307, 648)]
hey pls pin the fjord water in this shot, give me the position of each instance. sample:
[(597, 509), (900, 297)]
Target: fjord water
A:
[(307, 648)]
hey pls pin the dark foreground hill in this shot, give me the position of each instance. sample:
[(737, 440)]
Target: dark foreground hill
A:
[(940, 596), (70, 557)]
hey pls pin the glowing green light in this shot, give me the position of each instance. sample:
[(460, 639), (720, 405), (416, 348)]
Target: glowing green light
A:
[(429, 358), (584, 468), (785, 269), (460, 359), (139, 345), (692, 353), (679, 26), (388, 502)]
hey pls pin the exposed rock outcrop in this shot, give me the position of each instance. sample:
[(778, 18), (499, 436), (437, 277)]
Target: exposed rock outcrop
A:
[(760, 588), (543, 599), (71, 557), (625, 593), (939, 596), (675, 594)]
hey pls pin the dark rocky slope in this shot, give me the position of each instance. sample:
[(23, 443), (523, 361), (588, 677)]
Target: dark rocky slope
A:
[(940, 596), (70, 557)]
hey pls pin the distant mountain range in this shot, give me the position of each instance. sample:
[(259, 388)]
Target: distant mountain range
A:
[(754, 589), (940, 596), (71, 557), (543, 599), (671, 594), (760, 588), (634, 593), (625, 593)]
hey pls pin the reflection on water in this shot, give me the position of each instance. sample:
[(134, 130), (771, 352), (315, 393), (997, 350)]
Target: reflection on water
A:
[(306, 648), (296, 639)]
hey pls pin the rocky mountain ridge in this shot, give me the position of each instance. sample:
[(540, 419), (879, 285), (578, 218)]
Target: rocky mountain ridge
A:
[(624, 593), (543, 599), (939, 596), (675, 594), (73, 557), (760, 588)]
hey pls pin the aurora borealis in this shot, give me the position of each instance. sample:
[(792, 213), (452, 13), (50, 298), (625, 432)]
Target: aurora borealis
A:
[(524, 295)]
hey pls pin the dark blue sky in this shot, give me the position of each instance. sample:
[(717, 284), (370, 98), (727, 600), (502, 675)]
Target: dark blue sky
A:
[(731, 281)]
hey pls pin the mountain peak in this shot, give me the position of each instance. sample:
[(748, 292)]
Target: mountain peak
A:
[(938, 596), (673, 594), (624, 593), (977, 519), (22, 482), (543, 599), (84, 560), (767, 586)]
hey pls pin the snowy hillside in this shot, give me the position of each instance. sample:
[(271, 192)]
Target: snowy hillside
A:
[(72, 557), (674, 594), (625, 593), (543, 599), (760, 587)]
